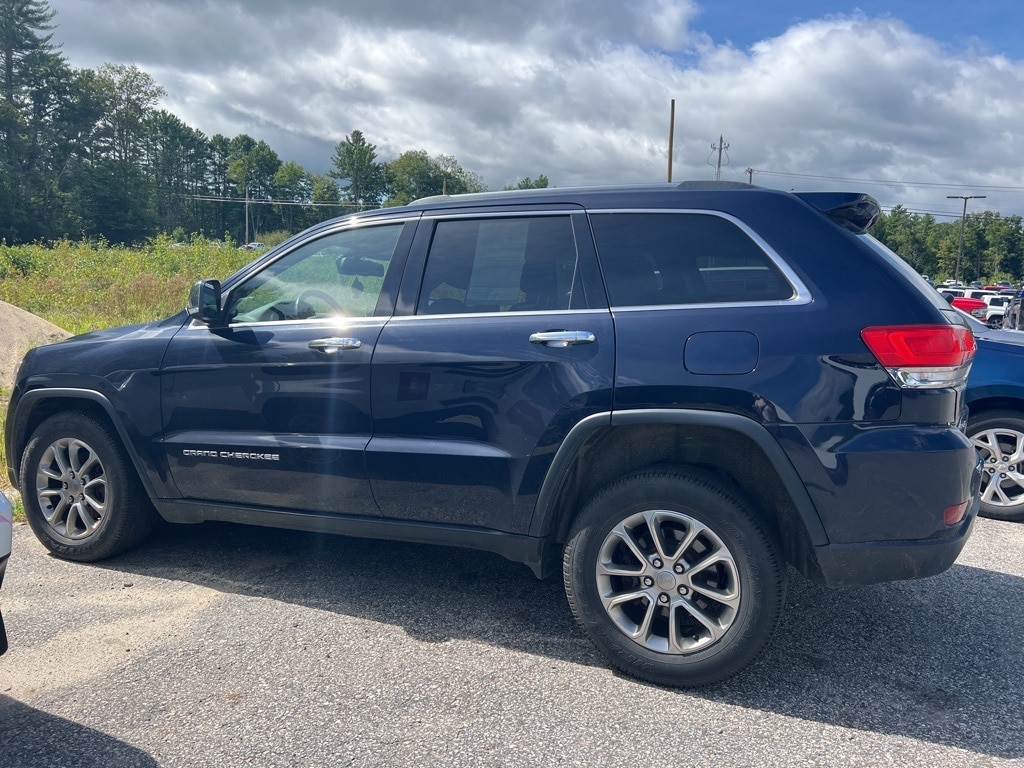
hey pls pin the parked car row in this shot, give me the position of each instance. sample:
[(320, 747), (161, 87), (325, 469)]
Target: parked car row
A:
[(988, 304), (995, 393), (974, 307), (1012, 316)]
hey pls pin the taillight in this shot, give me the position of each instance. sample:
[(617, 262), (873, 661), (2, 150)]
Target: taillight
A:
[(923, 356)]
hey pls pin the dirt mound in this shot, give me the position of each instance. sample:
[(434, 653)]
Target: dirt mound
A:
[(19, 332)]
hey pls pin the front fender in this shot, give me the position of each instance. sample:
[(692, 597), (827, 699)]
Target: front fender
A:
[(20, 421)]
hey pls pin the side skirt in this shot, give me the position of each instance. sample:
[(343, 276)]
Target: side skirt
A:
[(543, 558)]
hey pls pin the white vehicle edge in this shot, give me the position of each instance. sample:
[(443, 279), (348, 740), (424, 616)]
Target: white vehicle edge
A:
[(6, 521)]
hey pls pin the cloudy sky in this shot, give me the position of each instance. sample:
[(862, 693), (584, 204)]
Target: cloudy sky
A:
[(908, 100)]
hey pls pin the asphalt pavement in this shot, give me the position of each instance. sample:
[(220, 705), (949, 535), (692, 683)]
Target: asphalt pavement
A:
[(220, 645)]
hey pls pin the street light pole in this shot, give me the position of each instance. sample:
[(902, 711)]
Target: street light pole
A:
[(963, 219)]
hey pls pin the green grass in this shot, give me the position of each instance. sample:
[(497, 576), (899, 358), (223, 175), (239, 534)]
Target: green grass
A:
[(87, 286), (83, 287)]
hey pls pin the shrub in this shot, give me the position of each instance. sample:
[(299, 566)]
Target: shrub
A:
[(85, 286)]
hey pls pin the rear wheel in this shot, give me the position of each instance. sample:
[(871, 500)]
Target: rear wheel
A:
[(82, 497), (999, 435), (674, 578)]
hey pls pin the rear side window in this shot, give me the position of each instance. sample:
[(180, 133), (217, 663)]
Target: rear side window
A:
[(514, 264), (653, 259)]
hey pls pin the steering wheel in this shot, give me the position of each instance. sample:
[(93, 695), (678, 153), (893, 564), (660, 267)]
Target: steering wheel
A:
[(314, 293)]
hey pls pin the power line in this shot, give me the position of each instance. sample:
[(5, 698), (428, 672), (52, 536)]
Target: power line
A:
[(923, 212), (267, 201), (893, 183), (920, 211)]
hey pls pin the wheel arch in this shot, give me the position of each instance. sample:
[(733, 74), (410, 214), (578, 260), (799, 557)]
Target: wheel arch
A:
[(37, 405), (994, 399), (607, 446)]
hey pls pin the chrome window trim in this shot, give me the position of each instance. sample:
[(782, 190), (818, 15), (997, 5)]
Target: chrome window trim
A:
[(505, 315), (334, 229), (334, 321), (447, 215), (327, 322), (801, 295)]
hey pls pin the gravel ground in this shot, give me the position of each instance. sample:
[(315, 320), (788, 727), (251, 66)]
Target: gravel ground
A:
[(222, 645)]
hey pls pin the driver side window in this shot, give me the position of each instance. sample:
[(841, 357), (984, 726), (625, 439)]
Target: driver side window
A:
[(340, 274)]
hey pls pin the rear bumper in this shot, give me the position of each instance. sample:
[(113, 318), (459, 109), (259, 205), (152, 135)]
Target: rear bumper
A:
[(881, 561), (877, 562), (881, 495)]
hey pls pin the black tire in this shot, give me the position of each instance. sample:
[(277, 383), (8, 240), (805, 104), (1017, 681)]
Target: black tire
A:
[(82, 497), (999, 436), (742, 593)]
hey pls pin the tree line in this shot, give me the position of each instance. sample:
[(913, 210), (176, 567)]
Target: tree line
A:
[(86, 154), (993, 245)]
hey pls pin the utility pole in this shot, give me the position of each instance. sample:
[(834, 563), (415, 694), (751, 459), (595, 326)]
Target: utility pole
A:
[(963, 220), (671, 136), (750, 175), (722, 146)]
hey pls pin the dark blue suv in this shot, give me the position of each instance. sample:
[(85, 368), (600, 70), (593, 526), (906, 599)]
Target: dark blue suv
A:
[(668, 392)]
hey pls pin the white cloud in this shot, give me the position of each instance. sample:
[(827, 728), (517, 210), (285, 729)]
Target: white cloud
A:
[(576, 90)]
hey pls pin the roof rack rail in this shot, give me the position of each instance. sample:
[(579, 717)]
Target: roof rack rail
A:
[(649, 186)]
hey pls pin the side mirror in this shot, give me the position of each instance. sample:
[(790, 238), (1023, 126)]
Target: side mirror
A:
[(204, 302)]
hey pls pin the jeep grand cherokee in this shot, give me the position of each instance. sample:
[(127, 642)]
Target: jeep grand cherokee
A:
[(667, 392)]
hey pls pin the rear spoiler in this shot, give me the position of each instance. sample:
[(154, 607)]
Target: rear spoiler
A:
[(851, 210)]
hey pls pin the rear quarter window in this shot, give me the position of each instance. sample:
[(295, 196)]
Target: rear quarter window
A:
[(651, 259)]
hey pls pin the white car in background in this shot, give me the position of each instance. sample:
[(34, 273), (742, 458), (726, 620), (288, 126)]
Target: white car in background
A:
[(6, 518), (997, 304)]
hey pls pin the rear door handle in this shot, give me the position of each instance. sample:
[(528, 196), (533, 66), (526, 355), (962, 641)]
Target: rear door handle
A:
[(562, 338), (334, 345)]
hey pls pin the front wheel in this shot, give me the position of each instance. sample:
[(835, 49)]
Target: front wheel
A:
[(674, 578), (82, 497)]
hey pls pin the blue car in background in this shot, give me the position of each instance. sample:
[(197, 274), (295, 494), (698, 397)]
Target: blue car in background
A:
[(995, 397)]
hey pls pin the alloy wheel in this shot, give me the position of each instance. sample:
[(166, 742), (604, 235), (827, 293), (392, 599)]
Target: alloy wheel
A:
[(668, 582), (71, 488), (1002, 483)]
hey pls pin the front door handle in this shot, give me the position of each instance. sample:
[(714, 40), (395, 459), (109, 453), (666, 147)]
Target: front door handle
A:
[(334, 345), (562, 338)]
